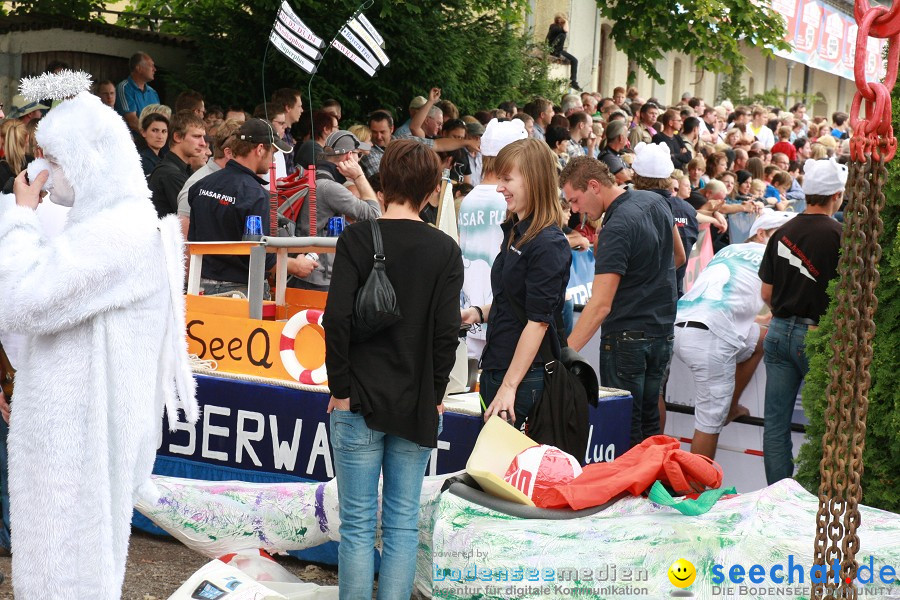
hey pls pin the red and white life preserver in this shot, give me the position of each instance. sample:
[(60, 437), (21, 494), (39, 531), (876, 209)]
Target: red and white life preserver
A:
[(302, 319)]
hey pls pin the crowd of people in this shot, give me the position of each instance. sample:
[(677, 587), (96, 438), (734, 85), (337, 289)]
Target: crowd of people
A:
[(623, 175)]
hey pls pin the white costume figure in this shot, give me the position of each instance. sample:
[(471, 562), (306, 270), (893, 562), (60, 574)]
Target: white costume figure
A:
[(102, 307)]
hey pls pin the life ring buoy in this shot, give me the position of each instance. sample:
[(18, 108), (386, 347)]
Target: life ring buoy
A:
[(302, 319)]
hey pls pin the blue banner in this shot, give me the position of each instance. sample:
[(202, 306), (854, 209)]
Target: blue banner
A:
[(269, 429), (581, 276)]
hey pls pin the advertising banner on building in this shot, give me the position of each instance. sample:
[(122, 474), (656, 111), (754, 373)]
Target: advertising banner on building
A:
[(824, 38)]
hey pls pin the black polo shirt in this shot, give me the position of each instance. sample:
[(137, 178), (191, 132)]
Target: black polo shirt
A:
[(166, 181), (636, 242), (220, 204), (536, 274)]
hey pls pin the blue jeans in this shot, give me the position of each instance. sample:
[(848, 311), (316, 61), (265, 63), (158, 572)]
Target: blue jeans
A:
[(360, 454), (528, 392), (638, 364), (786, 366)]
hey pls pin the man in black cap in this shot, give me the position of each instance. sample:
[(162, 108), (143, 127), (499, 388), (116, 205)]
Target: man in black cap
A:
[(221, 202), (339, 165)]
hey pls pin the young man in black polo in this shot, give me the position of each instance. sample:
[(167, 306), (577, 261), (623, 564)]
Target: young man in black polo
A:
[(188, 142), (801, 259), (634, 291), (221, 202)]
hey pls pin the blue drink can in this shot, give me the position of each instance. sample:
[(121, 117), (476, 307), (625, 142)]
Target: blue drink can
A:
[(253, 228), (335, 226)]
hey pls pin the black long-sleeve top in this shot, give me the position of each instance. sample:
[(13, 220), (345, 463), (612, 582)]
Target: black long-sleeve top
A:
[(396, 378), (556, 38)]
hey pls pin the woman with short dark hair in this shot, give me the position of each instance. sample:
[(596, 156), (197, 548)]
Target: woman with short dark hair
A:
[(387, 391)]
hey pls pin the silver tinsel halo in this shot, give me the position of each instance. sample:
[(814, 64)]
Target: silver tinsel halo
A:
[(57, 86)]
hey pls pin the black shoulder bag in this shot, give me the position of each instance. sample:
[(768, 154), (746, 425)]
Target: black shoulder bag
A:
[(560, 416), (376, 305)]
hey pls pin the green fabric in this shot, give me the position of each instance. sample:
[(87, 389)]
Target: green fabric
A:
[(701, 505)]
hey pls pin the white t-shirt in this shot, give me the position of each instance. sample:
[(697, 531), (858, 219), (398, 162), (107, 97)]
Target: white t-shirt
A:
[(726, 296), (480, 237), (764, 136)]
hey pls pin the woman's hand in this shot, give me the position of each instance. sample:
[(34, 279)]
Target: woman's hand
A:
[(4, 407), (338, 403), (440, 408), (503, 405)]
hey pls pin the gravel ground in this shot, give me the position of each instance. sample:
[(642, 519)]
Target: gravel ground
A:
[(157, 566)]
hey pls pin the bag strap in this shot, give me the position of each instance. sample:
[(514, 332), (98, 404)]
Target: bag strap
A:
[(376, 241)]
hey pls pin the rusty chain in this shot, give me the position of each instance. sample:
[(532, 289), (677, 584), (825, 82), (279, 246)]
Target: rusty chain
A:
[(844, 441)]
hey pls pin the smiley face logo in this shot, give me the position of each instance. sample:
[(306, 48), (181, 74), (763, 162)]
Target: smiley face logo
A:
[(682, 573)]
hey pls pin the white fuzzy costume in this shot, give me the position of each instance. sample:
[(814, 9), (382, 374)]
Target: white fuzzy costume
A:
[(102, 306)]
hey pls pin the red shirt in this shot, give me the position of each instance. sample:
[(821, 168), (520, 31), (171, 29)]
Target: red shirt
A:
[(785, 148)]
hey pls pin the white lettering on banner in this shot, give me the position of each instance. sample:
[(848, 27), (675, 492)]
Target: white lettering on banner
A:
[(497, 217), (292, 54), (353, 57), (296, 42), (247, 430), (294, 22), (210, 430), (432, 460), (244, 437), (285, 454), (373, 45), (360, 47), (320, 448), (191, 446), (371, 29), (580, 293), (597, 452)]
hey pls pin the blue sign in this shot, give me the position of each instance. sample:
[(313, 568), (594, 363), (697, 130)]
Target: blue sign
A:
[(581, 276), (275, 430)]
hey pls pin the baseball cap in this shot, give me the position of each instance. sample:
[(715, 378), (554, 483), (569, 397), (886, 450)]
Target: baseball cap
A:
[(418, 102), (259, 131), (770, 219), (823, 177), (21, 107), (498, 135), (342, 142)]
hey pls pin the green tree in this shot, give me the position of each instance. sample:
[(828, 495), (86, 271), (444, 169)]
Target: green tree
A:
[(78, 9), (881, 477), (478, 57), (711, 31)]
